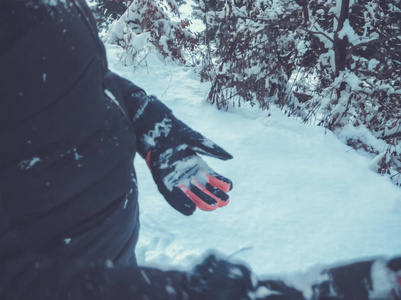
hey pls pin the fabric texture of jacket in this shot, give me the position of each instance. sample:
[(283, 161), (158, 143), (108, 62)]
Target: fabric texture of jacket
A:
[(68, 195)]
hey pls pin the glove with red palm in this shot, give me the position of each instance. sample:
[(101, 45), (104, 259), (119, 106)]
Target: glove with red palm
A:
[(171, 151)]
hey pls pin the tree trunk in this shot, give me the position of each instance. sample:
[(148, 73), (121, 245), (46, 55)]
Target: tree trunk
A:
[(340, 45)]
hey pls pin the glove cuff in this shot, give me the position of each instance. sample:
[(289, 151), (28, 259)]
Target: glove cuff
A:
[(151, 122)]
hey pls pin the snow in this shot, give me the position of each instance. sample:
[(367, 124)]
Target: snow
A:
[(114, 100), (382, 280), (262, 292), (353, 38), (161, 129), (29, 163), (349, 32), (193, 165), (301, 197), (77, 156), (125, 203), (54, 2), (372, 64)]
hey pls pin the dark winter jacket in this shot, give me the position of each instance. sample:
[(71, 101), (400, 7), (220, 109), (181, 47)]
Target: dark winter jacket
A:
[(68, 193)]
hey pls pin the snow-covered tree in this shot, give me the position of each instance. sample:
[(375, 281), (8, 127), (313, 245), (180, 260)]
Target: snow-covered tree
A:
[(335, 63), (106, 11), (152, 22), (351, 53), (247, 49)]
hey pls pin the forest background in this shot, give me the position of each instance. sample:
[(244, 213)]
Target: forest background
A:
[(331, 63)]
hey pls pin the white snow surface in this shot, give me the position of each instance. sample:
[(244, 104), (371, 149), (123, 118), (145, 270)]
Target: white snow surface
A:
[(301, 197)]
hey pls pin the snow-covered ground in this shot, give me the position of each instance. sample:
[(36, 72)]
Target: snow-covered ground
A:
[(301, 197)]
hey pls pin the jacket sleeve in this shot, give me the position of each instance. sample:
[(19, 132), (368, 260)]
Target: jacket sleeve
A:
[(145, 112), (130, 96)]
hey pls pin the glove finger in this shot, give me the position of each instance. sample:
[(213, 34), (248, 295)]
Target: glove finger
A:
[(198, 143), (223, 198), (201, 192), (212, 194), (220, 182), (179, 201), (202, 200)]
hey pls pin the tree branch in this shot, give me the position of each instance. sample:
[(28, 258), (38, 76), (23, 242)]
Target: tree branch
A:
[(321, 33)]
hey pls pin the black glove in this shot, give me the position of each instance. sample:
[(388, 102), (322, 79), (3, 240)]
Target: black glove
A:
[(170, 148)]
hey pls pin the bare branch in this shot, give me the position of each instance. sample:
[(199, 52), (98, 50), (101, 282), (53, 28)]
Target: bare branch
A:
[(321, 33)]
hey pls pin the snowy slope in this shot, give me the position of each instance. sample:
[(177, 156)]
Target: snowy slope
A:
[(301, 197)]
